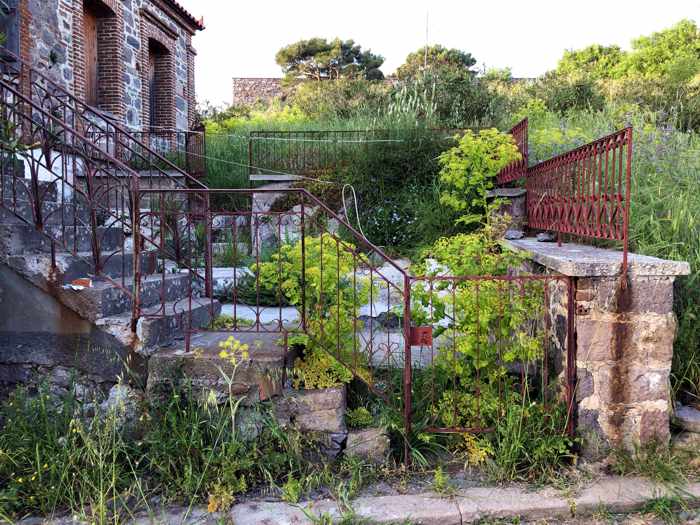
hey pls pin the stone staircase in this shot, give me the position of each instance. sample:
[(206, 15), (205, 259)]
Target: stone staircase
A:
[(105, 305)]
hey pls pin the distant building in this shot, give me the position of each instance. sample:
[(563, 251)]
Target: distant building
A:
[(250, 90)]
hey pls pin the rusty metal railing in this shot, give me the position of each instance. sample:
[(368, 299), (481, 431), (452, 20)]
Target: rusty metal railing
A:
[(111, 140), (186, 149), (585, 192), (67, 191), (518, 169), (308, 276)]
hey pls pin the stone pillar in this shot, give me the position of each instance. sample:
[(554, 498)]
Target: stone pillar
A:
[(514, 205), (624, 341)]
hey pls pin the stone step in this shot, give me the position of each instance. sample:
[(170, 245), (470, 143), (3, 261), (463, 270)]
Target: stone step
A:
[(20, 188), (108, 299), (21, 211), (163, 324), (37, 266), (16, 239), (259, 377)]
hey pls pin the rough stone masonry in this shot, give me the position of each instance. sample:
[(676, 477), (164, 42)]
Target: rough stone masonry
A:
[(624, 339)]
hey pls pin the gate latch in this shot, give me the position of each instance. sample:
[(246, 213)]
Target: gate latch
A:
[(421, 336)]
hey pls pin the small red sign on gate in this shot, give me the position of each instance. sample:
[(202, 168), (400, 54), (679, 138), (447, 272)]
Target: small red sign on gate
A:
[(422, 336)]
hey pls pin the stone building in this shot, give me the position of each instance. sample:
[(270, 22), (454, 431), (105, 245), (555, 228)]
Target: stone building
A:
[(132, 59)]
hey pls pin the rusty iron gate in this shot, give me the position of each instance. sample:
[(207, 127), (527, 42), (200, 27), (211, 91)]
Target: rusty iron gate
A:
[(457, 349)]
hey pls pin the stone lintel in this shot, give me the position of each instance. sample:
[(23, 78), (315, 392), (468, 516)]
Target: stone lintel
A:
[(508, 193), (578, 260)]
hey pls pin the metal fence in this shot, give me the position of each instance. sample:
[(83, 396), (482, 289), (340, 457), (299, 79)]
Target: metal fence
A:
[(517, 170), (585, 192), (454, 349), (314, 153)]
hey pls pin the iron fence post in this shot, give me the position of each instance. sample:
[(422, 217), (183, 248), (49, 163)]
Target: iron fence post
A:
[(626, 219), (407, 369), (208, 277), (303, 265), (136, 238)]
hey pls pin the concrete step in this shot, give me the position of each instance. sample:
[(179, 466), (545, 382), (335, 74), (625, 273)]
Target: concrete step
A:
[(20, 188), (37, 266), (257, 378), (17, 239), (108, 299), (163, 324), (21, 211)]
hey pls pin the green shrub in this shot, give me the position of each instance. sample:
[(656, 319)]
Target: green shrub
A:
[(359, 417), (469, 169)]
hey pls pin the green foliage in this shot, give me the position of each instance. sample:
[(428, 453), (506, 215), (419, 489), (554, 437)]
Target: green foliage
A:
[(55, 458), (595, 61), (291, 490), (661, 52), (469, 169), (52, 455), (528, 442), (342, 99), (319, 59), (359, 417), (441, 482), (332, 301), (435, 58), (570, 92), (319, 369)]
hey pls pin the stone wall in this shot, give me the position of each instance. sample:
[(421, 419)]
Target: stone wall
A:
[(249, 91), (624, 341), (52, 39)]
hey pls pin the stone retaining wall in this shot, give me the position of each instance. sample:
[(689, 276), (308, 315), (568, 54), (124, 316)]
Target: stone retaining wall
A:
[(624, 338)]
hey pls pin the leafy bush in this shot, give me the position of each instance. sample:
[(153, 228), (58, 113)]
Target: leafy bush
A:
[(359, 417), (332, 302), (469, 169)]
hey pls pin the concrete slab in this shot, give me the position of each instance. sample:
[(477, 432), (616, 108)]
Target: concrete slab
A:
[(472, 505), (578, 260)]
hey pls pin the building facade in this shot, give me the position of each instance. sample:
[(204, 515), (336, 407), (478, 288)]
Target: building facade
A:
[(132, 59)]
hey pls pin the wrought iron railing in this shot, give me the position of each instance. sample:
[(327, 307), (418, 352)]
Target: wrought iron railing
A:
[(309, 276), (110, 139), (186, 149), (313, 153), (518, 169), (88, 194), (585, 192)]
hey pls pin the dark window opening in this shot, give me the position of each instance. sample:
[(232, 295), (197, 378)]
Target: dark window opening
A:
[(158, 74), (94, 14)]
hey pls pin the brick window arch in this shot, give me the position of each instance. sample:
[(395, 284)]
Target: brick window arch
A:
[(159, 86), (157, 74), (98, 55)]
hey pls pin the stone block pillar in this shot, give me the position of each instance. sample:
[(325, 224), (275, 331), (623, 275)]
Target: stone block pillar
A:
[(513, 204), (624, 342)]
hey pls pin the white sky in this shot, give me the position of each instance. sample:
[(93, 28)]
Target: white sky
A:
[(242, 36)]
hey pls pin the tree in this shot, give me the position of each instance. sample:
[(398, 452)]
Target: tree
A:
[(665, 53), (594, 61), (436, 60), (319, 59)]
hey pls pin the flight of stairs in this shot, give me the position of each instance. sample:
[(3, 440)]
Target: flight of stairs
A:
[(106, 305)]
